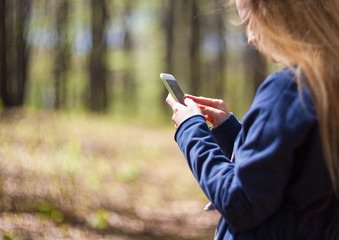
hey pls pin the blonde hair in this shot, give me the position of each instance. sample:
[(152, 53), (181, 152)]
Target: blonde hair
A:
[(306, 33)]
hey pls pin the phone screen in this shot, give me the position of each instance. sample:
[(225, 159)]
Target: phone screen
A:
[(176, 91), (173, 87)]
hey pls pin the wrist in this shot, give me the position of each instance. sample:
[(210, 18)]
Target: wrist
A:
[(221, 120)]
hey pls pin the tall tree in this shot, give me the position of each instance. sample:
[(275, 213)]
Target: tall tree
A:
[(182, 40), (62, 51), (169, 26), (128, 76), (195, 59), (215, 56), (14, 51), (98, 70), (169, 38), (3, 52), (221, 56)]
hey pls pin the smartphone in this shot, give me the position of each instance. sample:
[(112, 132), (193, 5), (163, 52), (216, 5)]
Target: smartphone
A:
[(173, 87)]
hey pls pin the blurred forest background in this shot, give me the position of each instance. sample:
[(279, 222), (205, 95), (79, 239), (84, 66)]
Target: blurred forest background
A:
[(87, 148)]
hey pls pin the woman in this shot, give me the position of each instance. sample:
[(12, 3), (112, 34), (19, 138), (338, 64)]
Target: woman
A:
[(276, 175)]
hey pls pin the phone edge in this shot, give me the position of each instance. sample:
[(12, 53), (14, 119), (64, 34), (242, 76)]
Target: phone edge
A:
[(167, 87)]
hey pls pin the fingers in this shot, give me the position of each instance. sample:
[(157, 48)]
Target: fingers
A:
[(202, 107), (200, 100), (215, 116), (206, 101), (211, 111)]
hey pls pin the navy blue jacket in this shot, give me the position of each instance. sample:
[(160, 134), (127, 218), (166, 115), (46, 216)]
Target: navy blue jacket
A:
[(276, 186)]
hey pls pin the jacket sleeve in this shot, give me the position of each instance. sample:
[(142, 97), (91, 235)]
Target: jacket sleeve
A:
[(226, 133), (249, 190)]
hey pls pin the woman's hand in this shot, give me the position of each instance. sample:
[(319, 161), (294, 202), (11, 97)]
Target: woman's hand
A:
[(214, 110), (182, 112)]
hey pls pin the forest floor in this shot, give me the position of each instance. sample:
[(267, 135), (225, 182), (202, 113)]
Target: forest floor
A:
[(67, 176)]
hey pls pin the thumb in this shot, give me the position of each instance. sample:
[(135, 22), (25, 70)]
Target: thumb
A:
[(170, 100)]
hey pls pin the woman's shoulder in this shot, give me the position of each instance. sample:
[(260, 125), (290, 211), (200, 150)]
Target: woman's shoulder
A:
[(281, 89), (279, 99), (277, 83), (281, 108)]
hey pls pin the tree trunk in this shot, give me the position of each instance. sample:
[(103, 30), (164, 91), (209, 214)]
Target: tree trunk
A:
[(130, 89), (22, 51), (169, 26), (169, 36), (3, 52), (221, 58), (98, 70), (195, 60), (15, 51), (62, 51)]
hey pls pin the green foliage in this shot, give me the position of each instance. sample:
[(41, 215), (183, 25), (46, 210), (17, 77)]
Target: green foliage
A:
[(129, 174), (49, 210), (10, 236), (99, 219)]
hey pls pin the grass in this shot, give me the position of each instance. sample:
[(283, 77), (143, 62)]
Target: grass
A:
[(84, 176)]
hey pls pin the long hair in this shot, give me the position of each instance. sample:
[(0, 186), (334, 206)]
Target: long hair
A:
[(306, 33)]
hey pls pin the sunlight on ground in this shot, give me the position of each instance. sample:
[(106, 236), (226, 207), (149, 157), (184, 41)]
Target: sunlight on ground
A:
[(94, 175)]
